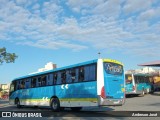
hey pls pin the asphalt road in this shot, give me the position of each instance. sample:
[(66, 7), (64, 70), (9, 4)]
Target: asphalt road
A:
[(148, 103)]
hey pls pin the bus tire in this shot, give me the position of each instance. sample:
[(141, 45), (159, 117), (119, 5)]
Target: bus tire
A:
[(142, 94), (148, 90), (55, 104), (76, 108), (18, 105)]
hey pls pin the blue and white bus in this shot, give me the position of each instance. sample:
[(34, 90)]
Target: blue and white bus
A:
[(138, 84), (97, 82)]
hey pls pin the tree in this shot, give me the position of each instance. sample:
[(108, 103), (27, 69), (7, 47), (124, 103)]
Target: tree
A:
[(7, 57)]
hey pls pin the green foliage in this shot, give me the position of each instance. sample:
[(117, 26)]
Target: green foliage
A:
[(7, 57)]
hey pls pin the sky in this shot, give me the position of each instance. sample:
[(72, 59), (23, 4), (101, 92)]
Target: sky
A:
[(66, 32)]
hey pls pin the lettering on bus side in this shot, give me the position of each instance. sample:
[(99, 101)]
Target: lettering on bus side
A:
[(113, 68)]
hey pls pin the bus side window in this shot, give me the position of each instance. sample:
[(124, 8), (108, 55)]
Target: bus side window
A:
[(136, 79), (33, 82), (55, 76), (68, 76), (12, 87), (18, 85), (90, 73), (44, 78), (73, 75), (27, 84), (146, 80), (63, 77), (58, 78), (50, 79), (77, 75), (22, 85), (81, 74), (39, 81), (141, 79), (15, 86), (150, 80)]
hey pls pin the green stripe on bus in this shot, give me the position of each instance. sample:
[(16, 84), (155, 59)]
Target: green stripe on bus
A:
[(79, 99)]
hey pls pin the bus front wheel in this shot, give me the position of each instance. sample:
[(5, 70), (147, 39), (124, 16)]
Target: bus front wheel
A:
[(18, 105), (55, 104)]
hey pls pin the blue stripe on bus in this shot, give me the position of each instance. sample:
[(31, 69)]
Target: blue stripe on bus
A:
[(76, 90)]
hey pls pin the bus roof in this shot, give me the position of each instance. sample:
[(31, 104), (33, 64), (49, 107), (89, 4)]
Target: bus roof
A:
[(66, 67), (139, 74), (151, 64), (114, 61), (56, 69)]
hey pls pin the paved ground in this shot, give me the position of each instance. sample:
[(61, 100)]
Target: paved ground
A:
[(147, 103)]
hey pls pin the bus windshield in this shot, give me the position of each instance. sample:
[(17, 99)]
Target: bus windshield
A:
[(113, 68), (128, 79)]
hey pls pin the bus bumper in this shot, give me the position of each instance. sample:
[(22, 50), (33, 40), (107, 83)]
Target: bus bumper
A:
[(132, 92), (111, 102)]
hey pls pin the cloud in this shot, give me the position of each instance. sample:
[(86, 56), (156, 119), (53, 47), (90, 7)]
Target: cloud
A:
[(80, 5), (98, 25), (21, 2), (108, 8), (36, 6), (50, 10), (149, 14), (54, 44), (133, 6)]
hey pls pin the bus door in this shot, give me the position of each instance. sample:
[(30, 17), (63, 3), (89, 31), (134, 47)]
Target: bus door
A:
[(130, 86), (113, 80)]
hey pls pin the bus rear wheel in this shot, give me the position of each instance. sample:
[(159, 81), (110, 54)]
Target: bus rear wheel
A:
[(55, 104), (76, 108)]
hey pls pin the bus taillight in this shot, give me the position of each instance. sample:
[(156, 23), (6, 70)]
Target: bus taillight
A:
[(103, 95)]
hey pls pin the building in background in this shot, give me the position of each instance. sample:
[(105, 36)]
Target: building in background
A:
[(48, 66), (4, 90), (145, 70), (5, 87)]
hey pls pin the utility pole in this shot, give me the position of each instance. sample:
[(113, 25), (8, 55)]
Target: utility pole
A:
[(99, 54)]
